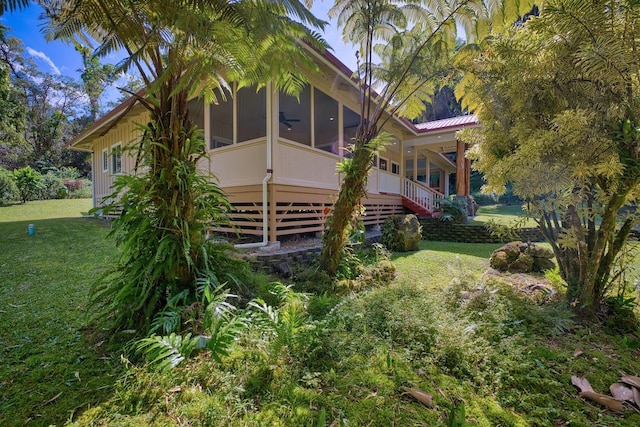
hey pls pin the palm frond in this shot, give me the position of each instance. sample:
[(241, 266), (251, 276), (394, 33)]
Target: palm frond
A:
[(166, 352)]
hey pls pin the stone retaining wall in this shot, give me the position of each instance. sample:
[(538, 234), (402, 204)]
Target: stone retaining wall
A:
[(434, 229), (274, 262)]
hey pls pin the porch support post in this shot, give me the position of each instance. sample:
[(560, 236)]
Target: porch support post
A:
[(441, 187), (447, 177), (467, 173), (272, 214), (415, 164), (427, 170), (461, 179)]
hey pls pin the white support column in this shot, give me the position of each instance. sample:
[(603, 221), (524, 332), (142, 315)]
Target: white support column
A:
[(447, 176), (427, 170), (415, 163)]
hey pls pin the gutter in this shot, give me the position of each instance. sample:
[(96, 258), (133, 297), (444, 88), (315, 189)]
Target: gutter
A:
[(265, 180)]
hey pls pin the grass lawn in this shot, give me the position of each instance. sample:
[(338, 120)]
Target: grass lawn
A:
[(441, 326), (49, 370), (503, 215)]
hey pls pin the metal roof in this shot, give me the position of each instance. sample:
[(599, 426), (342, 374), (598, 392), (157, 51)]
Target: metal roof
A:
[(460, 121)]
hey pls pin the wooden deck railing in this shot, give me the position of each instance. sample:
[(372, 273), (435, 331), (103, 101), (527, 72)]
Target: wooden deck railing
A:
[(420, 194)]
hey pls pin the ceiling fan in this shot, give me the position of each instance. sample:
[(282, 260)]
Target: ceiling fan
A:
[(286, 121)]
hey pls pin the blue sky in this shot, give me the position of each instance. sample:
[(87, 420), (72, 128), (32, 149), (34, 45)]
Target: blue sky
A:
[(59, 58)]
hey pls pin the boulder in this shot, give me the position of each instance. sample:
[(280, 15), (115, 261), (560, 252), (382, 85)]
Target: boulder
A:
[(522, 264), (519, 257), (401, 233), (499, 260), (539, 252), (543, 264)]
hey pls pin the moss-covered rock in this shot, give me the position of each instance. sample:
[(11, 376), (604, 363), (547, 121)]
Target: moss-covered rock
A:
[(401, 233), (519, 257)]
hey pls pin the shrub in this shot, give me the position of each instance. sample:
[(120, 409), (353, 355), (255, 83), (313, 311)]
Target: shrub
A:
[(28, 182), (483, 199), (8, 188), (83, 190), (52, 187), (401, 233), (452, 209)]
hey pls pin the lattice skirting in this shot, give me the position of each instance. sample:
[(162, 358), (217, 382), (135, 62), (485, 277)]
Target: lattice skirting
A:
[(298, 210)]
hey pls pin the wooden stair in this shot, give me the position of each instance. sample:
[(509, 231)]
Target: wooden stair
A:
[(419, 199), (418, 210)]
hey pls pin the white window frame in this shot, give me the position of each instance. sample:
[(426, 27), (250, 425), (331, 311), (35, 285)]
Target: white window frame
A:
[(395, 165), (105, 160), (116, 152), (386, 162)]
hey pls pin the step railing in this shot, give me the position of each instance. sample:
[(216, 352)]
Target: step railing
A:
[(420, 194)]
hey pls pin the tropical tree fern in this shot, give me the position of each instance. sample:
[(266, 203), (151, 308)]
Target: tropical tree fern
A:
[(414, 41), (180, 49)]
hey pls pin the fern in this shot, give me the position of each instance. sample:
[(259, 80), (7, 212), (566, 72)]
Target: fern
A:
[(167, 352)]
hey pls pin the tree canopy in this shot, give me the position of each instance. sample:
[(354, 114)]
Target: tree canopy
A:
[(558, 99)]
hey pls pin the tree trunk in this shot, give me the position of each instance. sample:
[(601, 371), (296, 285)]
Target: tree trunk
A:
[(352, 190)]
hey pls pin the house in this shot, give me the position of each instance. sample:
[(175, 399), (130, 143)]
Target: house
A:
[(275, 156)]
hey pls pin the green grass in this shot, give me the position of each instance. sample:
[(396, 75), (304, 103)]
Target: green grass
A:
[(442, 327), (44, 209), (49, 369), (503, 215)]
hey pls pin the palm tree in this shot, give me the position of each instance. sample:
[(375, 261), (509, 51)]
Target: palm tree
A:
[(180, 48), (11, 5), (414, 40)]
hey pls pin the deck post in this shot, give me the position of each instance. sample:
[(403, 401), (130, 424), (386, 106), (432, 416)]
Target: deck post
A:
[(461, 179)]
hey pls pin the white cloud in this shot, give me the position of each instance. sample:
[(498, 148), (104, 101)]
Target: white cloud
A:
[(45, 58)]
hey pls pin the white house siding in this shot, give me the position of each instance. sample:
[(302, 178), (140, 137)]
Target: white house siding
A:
[(128, 134)]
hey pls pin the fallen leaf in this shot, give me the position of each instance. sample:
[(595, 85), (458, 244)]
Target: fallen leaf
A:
[(374, 394), (175, 389), (636, 396), (581, 383), (632, 381), (621, 392), (577, 352), (420, 396), (77, 375), (608, 401)]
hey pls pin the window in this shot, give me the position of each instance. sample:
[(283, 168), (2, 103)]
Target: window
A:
[(295, 117), (221, 121), (105, 160), (395, 168), (325, 122), (252, 113), (350, 126), (382, 164), (116, 159)]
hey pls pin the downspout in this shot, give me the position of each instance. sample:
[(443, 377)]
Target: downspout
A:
[(265, 181)]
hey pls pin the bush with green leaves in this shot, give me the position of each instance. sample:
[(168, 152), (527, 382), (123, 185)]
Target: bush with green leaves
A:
[(29, 183), (452, 209), (8, 188), (401, 233), (52, 187)]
